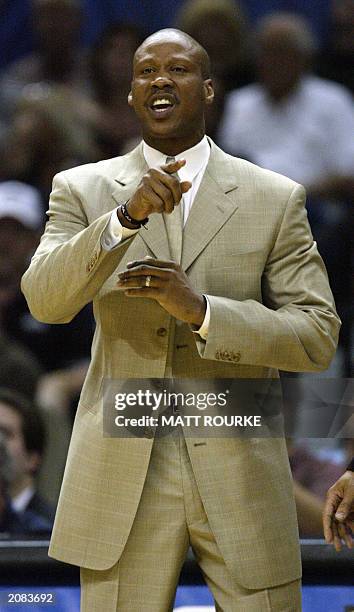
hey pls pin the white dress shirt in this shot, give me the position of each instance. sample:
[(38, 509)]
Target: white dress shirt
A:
[(197, 158), (308, 136)]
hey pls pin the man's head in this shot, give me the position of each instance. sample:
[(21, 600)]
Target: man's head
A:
[(23, 429), (220, 27), (20, 221), (284, 46), (171, 87), (57, 25)]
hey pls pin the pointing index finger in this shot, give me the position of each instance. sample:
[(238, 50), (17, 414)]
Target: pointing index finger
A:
[(173, 166)]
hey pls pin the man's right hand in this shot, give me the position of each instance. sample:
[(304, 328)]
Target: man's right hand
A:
[(158, 191)]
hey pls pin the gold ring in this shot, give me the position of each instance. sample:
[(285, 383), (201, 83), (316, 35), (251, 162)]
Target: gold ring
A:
[(148, 281)]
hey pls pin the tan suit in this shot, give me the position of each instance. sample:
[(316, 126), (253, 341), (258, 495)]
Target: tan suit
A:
[(247, 245)]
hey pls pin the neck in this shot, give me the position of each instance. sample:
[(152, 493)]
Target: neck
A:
[(173, 146), (278, 95)]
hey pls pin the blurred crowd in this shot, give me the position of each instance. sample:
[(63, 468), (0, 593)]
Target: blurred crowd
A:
[(283, 101)]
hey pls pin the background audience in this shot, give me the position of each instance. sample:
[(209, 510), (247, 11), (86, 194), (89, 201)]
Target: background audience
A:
[(283, 100), (293, 122)]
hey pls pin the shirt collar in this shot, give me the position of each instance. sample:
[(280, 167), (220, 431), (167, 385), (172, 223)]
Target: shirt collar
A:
[(196, 158)]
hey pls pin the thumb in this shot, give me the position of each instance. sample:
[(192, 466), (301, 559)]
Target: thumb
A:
[(185, 186), (343, 510)]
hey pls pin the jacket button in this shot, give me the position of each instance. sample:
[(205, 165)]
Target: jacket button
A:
[(162, 331)]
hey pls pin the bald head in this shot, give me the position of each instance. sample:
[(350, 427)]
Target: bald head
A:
[(171, 35)]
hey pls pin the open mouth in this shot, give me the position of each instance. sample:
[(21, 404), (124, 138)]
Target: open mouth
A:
[(162, 107)]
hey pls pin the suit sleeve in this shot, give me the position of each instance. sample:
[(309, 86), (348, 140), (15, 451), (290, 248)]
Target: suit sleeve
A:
[(296, 327), (70, 265)]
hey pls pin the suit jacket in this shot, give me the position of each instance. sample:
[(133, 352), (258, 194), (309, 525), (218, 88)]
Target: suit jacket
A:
[(247, 245)]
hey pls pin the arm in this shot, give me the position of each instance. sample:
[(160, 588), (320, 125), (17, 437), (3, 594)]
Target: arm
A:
[(70, 265), (296, 328)]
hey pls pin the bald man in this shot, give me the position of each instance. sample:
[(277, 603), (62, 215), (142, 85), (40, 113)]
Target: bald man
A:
[(198, 265)]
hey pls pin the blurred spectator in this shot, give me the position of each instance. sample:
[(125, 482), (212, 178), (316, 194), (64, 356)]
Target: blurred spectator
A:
[(337, 58), (19, 368), (58, 58), (292, 122), (312, 472), (111, 58), (220, 27), (301, 126), (57, 395), (22, 427), (312, 476), (20, 223), (48, 134)]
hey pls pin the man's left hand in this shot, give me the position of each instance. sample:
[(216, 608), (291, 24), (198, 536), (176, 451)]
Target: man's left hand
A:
[(167, 283)]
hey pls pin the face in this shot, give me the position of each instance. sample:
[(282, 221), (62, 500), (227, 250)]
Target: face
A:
[(169, 94), (24, 463), (116, 59), (280, 65)]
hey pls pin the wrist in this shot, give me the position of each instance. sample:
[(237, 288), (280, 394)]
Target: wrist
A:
[(200, 314), (135, 212), (127, 220)]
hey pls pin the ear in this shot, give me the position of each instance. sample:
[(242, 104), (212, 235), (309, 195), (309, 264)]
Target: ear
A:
[(130, 98), (208, 91)]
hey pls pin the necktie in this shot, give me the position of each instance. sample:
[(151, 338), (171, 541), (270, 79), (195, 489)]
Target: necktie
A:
[(174, 224)]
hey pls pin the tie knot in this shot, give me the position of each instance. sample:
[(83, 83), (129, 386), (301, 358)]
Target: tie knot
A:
[(170, 160)]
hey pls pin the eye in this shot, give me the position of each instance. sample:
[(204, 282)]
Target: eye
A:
[(178, 69), (147, 70)]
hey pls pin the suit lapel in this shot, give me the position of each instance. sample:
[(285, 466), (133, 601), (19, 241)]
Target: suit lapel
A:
[(127, 180), (212, 206)]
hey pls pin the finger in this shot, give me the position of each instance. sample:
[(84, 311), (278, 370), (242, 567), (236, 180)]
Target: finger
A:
[(168, 193), (146, 292), (171, 182), (327, 517), (343, 509), (156, 263), (327, 529), (154, 199), (342, 532), (185, 186), (139, 282), (336, 539), (143, 270), (173, 167)]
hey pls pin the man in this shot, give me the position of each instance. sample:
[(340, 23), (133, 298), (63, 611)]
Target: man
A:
[(129, 508), (21, 223), (23, 429), (338, 512), (13, 523), (57, 58)]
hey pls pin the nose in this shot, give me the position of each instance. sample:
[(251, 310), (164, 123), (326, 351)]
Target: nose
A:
[(161, 82)]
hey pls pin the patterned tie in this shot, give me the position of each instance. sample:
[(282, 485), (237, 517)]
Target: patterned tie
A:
[(173, 223)]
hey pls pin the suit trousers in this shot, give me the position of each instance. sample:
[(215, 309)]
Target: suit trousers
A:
[(169, 519)]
